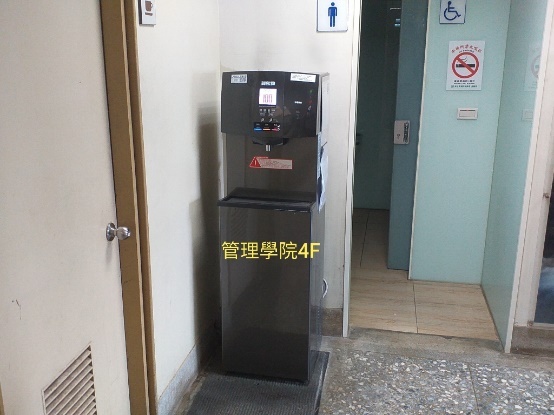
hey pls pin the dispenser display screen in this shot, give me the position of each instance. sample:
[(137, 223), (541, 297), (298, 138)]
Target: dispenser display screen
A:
[(268, 96)]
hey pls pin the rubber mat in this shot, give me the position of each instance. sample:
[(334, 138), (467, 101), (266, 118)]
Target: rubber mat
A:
[(222, 394)]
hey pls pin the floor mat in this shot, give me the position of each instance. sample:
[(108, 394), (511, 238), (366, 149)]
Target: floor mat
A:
[(223, 394)]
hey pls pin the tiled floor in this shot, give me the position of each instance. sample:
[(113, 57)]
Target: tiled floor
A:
[(375, 372), (383, 373), (385, 299)]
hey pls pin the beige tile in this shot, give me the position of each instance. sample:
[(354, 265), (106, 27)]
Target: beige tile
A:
[(376, 247), (462, 295), (374, 256), (378, 217), (378, 306), (390, 324), (380, 275), (377, 236), (455, 320), (365, 288), (356, 257), (486, 333), (454, 314), (358, 238), (383, 314), (360, 216), (377, 227), (358, 230), (448, 284)]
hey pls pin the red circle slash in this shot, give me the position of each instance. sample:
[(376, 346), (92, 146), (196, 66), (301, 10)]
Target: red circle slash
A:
[(459, 63)]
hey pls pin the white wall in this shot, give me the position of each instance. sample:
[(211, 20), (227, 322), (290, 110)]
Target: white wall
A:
[(179, 79), (282, 36)]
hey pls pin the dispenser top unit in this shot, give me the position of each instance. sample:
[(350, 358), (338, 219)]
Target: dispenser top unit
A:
[(271, 107)]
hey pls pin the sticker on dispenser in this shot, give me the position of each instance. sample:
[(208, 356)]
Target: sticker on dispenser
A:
[(302, 77), (239, 78), (262, 162)]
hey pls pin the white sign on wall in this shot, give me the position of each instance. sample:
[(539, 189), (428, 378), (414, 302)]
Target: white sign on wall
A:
[(147, 12), (464, 71), (533, 65), (453, 12), (332, 15)]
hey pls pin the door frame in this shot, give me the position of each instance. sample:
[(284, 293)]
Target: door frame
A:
[(357, 26), (349, 206), (123, 94), (539, 181)]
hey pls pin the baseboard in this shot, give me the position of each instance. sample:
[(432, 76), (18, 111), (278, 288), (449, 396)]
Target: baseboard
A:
[(533, 340), (1, 402), (332, 322), (173, 395)]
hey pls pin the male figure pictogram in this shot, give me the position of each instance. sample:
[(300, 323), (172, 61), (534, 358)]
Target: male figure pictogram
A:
[(332, 13)]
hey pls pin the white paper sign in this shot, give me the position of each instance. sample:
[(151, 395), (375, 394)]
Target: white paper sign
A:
[(302, 77), (464, 71), (533, 65), (147, 12), (332, 15), (453, 12), (239, 78)]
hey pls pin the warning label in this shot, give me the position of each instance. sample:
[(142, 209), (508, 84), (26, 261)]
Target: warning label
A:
[(465, 65), (261, 162)]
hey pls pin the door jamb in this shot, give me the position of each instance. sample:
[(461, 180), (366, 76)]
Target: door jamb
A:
[(539, 181), (123, 92), (350, 165)]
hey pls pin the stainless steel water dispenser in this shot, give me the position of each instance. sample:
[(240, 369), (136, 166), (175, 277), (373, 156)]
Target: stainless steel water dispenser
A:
[(272, 221)]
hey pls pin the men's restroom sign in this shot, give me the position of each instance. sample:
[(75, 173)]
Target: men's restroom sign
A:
[(332, 15), (465, 65)]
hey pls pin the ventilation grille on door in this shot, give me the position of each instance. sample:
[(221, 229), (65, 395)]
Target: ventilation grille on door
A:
[(72, 392)]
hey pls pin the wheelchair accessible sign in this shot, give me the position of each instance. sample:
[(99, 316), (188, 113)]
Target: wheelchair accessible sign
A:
[(453, 12)]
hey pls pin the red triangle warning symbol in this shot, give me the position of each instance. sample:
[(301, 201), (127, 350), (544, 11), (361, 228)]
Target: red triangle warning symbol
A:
[(255, 163)]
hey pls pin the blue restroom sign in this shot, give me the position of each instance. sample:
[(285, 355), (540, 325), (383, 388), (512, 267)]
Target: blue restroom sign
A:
[(464, 71), (452, 12), (332, 15)]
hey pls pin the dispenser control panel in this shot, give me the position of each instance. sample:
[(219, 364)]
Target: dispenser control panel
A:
[(270, 107), (267, 101)]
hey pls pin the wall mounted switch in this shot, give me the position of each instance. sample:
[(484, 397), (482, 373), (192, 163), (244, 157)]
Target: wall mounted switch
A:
[(467, 113), (401, 132)]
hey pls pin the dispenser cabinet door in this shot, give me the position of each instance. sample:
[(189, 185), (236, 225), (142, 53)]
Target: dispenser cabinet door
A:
[(266, 302)]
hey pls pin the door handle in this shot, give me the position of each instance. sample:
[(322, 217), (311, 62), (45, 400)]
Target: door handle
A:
[(121, 232)]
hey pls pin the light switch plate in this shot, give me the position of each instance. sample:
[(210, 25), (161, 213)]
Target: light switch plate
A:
[(467, 113), (401, 132)]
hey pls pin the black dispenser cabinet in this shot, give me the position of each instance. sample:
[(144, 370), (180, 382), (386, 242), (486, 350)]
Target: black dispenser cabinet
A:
[(272, 221)]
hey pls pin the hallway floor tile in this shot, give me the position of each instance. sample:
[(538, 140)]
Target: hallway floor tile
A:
[(385, 299), (382, 373)]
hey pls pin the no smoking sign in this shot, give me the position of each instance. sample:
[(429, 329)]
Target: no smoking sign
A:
[(465, 65)]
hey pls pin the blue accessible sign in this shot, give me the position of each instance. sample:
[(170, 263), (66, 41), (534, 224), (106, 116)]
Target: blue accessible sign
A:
[(453, 12)]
